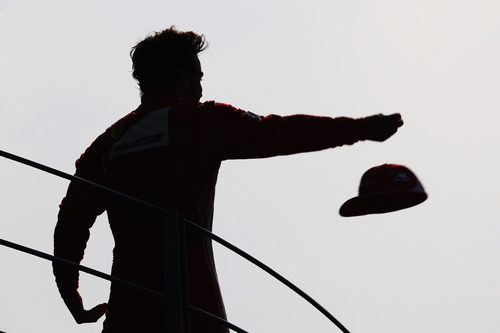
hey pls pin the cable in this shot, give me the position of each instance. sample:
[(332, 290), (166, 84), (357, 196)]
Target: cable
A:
[(114, 279), (200, 229), (274, 274)]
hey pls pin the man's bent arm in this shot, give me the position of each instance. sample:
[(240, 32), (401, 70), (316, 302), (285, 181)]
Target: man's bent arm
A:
[(77, 214), (71, 234)]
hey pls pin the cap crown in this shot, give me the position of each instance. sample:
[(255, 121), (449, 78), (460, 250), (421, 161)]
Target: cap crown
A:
[(388, 178)]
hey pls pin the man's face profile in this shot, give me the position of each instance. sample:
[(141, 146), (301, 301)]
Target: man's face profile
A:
[(190, 82)]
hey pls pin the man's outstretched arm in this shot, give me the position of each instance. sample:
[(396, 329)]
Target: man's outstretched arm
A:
[(238, 134)]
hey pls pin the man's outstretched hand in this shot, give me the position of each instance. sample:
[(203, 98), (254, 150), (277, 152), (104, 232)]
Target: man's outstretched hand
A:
[(379, 127), (75, 306)]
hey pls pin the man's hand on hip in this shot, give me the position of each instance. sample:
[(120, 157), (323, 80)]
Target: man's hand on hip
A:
[(75, 306)]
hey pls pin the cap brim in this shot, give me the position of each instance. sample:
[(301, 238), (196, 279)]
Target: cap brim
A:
[(381, 203)]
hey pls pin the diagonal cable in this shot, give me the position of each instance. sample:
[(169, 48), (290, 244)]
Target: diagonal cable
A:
[(118, 280), (200, 229)]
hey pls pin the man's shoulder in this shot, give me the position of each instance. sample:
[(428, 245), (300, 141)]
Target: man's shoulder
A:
[(106, 139), (230, 110), (116, 130), (209, 110), (218, 106)]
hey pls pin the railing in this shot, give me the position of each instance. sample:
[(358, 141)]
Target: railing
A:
[(178, 295)]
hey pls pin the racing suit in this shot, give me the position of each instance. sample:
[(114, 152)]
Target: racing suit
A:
[(169, 154)]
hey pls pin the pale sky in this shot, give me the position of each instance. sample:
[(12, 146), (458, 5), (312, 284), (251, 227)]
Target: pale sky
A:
[(65, 76)]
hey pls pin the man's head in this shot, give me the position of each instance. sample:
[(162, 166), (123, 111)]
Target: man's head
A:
[(167, 63)]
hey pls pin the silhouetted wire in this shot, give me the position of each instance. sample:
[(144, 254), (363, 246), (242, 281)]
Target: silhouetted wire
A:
[(115, 279), (273, 273), (200, 229)]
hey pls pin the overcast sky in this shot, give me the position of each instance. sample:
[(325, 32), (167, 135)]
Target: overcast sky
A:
[(65, 76)]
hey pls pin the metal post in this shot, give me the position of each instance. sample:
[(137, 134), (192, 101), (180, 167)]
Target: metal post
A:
[(183, 271), (175, 271)]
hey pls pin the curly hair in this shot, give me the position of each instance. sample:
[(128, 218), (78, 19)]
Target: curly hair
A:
[(157, 59)]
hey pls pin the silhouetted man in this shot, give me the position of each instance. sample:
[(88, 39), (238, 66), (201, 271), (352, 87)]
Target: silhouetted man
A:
[(168, 152)]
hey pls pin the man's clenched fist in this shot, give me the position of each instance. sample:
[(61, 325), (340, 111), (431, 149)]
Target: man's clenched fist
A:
[(379, 127)]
